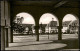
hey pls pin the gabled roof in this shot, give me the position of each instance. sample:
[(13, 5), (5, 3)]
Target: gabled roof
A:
[(66, 23), (43, 25), (53, 23), (75, 21)]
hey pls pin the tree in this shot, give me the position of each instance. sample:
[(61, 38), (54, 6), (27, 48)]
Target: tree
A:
[(18, 28)]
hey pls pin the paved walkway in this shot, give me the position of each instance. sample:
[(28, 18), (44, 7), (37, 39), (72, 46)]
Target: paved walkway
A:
[(29, 42)]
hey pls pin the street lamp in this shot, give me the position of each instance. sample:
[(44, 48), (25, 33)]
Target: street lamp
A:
[(21, 19), (48, 31), (69, 28)]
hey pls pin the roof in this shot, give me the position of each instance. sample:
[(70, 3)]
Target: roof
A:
[(27, 25), (66, 23), (53, 23), (43, 25), (75, 21)]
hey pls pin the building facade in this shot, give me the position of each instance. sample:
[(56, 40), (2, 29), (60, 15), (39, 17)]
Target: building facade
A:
[(74, 27), (65, 26), (52, 27)]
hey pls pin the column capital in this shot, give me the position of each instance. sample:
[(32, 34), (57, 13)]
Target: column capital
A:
[(2, 25), (7, 26)]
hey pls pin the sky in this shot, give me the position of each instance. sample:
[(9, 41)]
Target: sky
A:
[(69, 17), (45, 18), (28, 19)]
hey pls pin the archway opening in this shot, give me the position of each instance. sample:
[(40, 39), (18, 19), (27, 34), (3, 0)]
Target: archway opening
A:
[(48, 26), (23, 25), (70, 25)]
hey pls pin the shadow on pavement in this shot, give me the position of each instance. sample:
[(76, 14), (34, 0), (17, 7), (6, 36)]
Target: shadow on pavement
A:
[(72, 43)]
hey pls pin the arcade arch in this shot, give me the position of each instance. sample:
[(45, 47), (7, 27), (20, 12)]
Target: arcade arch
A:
[(28, 23), (28, 18), (67, 20), (47, 17), (48, 24)]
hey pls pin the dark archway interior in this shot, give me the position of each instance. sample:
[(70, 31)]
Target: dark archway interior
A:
[(36, 9)]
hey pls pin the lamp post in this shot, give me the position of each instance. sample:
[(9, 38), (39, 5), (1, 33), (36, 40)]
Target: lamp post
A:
[(48, 31), (69, 28)]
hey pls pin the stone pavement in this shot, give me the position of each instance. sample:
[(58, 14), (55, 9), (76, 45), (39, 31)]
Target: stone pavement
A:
[(29, 42)]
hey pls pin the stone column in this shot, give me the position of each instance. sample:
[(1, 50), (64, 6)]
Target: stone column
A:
[(2, 38), (60, 30), (11, 28), (6, 23), (2, 26), (9, 25), (9, 36), (6, 37), (37, 30)]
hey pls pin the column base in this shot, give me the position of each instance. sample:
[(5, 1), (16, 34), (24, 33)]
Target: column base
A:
[(37, 40), (2, 38), (59, 39), (11, 42)]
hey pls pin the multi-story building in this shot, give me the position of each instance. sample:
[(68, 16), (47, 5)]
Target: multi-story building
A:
[(74, 27), (51, 27), (42, 28), (65, 26), (28, 27)]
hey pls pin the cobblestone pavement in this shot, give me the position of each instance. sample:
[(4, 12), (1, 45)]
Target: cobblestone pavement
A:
[(28, 42)]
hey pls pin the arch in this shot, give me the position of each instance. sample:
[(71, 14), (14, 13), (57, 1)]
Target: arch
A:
[(71, 15), (25, 13), (52, 16), (67, 20)]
